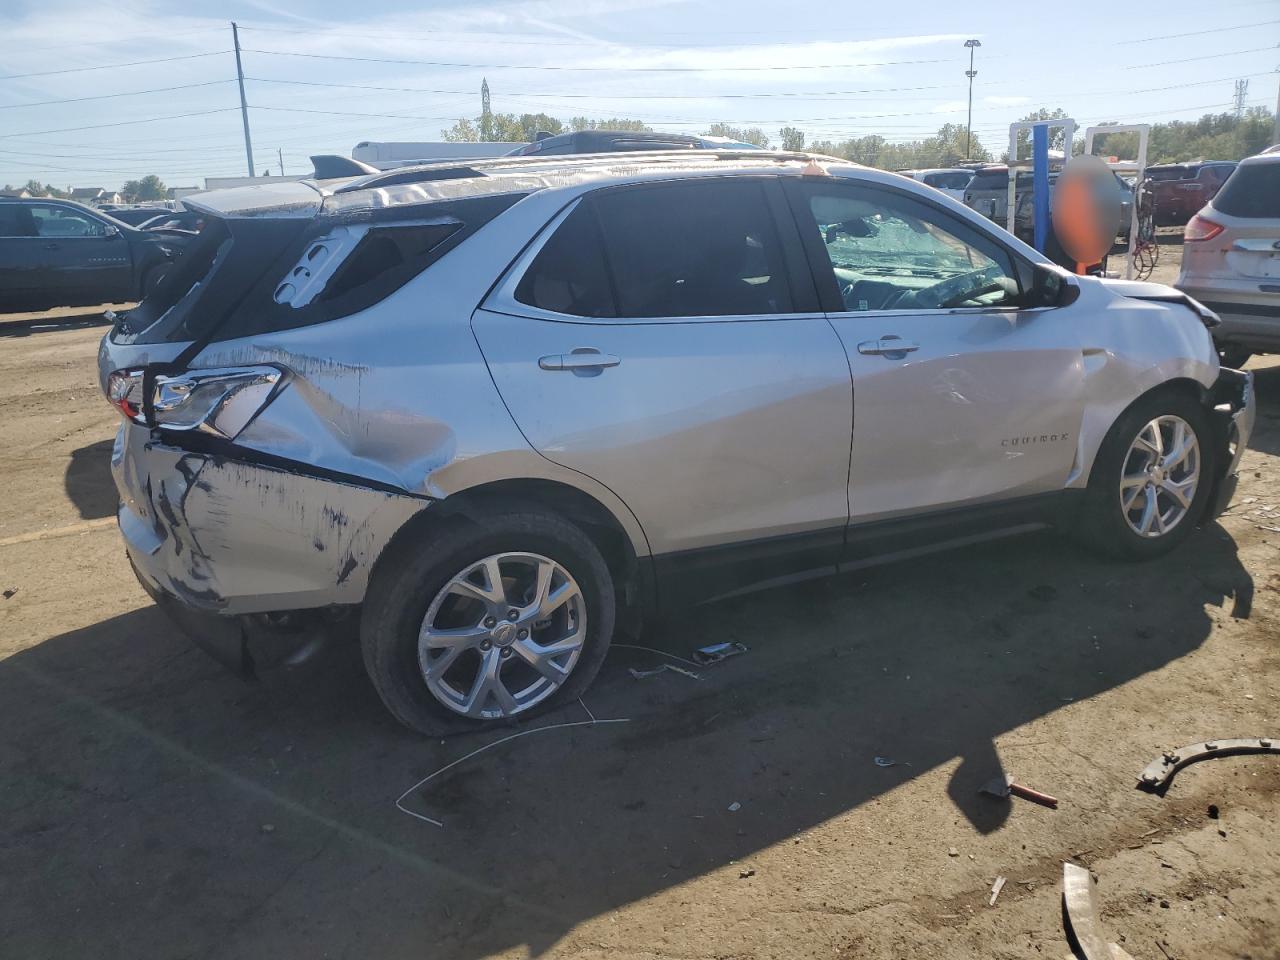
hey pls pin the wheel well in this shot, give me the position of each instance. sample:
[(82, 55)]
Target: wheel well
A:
[(1179, 386), (589, 514)]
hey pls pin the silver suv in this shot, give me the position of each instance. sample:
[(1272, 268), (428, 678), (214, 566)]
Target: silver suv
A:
[(1231, 259), (499, 410)]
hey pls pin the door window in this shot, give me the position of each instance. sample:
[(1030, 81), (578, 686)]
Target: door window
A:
[(59, 222), (889, 251), (691, 249), (16, 220)]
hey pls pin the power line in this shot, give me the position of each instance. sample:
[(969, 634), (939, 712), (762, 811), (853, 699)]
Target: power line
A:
[(1208, 56), (121, 123), (1197, 33), (565, 69), (113, 66), (109, 96)]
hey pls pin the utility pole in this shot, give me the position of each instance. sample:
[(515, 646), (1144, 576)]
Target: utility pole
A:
[(280, 157), (486, 114), (970, 73), (244, 107)]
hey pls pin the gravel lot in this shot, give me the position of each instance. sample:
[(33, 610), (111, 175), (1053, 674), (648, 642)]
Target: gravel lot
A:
[(155, 806)]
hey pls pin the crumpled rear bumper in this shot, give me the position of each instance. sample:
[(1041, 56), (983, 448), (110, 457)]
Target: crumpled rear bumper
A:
[(233, 537), (1235, 408)]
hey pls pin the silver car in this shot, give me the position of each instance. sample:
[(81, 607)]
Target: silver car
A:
[(1231, 259), (499, 410)]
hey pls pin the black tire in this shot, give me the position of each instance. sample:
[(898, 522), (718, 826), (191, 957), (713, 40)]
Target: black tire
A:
[(1104, 526), (406, 582), (1233, 356)]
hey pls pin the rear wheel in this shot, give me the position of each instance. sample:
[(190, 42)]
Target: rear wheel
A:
[(1152, 477), (496, 620)]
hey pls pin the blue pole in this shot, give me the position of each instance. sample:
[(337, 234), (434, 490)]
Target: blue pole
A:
[(1040, 182)]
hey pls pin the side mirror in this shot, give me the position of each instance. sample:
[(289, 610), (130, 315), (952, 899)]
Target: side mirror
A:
[(110, 230), (1051, 286)]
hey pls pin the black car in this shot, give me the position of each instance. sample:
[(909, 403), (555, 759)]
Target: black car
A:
[(616, 141), (56, 253)]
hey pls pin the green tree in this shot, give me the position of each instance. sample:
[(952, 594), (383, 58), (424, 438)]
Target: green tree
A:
[(613, 123), (791, 138), (149, 187), (752, 135)]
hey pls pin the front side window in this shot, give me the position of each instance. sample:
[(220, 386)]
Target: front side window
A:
[(888, 251), (57, 222), (701, 248)]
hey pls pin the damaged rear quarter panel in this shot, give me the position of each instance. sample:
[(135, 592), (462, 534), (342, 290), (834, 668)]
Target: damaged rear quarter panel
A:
[(242, 538)]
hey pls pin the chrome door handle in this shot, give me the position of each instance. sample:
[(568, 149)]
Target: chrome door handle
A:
[(890, 346), (582, 359)]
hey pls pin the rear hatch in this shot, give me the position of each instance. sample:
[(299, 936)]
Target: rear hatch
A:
[(1248, 207)]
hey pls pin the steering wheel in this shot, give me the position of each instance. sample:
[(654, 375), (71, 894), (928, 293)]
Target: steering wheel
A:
[(954, 291)]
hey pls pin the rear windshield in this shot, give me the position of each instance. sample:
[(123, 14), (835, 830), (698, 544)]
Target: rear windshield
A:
[(1252, 191), (1170, 173), (997, 181), (951, 180)]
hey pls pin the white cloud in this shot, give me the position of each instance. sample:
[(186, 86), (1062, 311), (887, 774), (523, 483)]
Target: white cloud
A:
[(1006, 101)]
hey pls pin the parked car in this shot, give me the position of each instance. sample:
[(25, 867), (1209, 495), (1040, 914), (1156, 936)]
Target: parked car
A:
[(988, 191), (616, 141), (181, 221), (532, 398), (58, 253), (950, 180), (1024, 213), (1231, 259), (1181, 189)]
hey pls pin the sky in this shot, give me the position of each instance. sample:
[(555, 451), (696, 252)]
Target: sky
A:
[(319, 80)]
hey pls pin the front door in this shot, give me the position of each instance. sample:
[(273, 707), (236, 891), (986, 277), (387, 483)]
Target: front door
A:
[(960, 397), (664, 340), (83, 256)]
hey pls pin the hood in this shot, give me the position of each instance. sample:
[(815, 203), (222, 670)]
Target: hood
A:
[(1145, 290)]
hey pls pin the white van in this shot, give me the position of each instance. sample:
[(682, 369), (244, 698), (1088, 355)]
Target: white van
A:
[(387, 156)]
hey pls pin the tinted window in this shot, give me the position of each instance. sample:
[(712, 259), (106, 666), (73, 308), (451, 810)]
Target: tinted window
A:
[(1252, 191), (948, 181), (893, 252), (1169, 173), (16, 220), (702, 248), (56, 222), (569, 274), (989, 181)]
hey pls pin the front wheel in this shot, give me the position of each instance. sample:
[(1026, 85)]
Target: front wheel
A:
[(497, 619), (1152, 477)]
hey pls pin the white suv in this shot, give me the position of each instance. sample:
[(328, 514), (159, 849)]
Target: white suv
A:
[(1231, 259), (499, 408)]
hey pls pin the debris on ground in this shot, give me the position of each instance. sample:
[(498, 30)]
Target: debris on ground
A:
[(716, 652), (744, 874), (952, 852), (995, 890), (1004, 786), (10, 592), (1156, 775), (885, 762), (735, 807), (1083, 918), (661, 668)]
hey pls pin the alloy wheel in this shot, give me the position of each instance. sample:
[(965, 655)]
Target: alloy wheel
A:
[(1160, 476), (502, 635)]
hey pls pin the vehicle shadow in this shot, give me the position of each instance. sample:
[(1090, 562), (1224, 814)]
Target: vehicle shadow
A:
[(184, 812), (88, 482), (28, 325), (1266, 436)]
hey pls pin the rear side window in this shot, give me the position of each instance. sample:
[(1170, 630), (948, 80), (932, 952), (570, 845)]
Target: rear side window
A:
[(16, 221), (694, 249), (1253, 191), (569, 274)]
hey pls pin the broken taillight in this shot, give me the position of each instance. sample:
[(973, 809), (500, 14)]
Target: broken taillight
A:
[(124, 391)]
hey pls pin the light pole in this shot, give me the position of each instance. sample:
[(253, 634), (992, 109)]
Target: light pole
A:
[(970, 73)]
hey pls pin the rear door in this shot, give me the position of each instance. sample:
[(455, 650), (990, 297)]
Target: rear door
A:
[(22, 256), (960, 398), (665, 340)]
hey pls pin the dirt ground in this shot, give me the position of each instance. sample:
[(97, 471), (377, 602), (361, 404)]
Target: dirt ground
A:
[(155, 806)]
